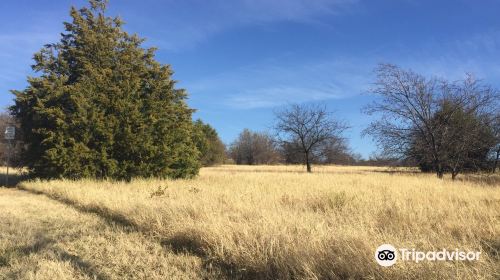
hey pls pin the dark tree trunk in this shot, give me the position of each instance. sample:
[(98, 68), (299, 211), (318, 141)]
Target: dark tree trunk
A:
[(496, 161), (308, 163), (439, 170), (454, 171)]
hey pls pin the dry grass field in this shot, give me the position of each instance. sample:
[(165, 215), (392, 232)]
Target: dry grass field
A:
[(242, 222)]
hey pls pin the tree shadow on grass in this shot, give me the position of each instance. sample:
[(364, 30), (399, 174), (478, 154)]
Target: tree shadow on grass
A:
[(104, 213), (81, 265), (192, 242), (492, 248), (397, 172), (42, 244), (487, 179), (11, 180), (12, 252), (492, 180)]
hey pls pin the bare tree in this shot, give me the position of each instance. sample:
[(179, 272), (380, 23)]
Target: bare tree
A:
[(413, 117), (309, 126), (495, 150), (336, 151), (253, 148), (332, 151), (291, 152)]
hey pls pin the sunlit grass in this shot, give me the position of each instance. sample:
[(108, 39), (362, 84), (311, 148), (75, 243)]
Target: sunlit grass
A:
[(280, 222), (41, 239)]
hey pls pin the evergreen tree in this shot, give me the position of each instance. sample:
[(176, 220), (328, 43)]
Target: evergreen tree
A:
[(212, 150), (103, 107)]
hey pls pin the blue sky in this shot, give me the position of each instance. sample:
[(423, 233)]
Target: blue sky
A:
[(241, 59)]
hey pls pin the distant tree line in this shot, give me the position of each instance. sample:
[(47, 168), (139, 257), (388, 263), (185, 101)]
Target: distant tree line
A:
[(435, 124), (254, 148), (304, 134)]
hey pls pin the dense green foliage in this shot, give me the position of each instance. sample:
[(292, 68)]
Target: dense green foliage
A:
[(103, 107), (212, 150)]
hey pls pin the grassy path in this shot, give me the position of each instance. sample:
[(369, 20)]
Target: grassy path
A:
[(44, 239)]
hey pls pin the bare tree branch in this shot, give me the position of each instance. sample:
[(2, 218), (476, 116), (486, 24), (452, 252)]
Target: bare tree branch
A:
[(309, 126)]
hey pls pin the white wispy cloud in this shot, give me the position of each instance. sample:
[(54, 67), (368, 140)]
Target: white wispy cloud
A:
[(274, 96), (252, 11), (195, 21), (276, 82), (478, 54), (273, 84)]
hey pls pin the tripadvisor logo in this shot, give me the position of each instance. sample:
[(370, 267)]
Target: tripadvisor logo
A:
[(387, 255)]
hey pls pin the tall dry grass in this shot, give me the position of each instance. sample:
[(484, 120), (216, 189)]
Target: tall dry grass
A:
[(277, 222), (41, 239)]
